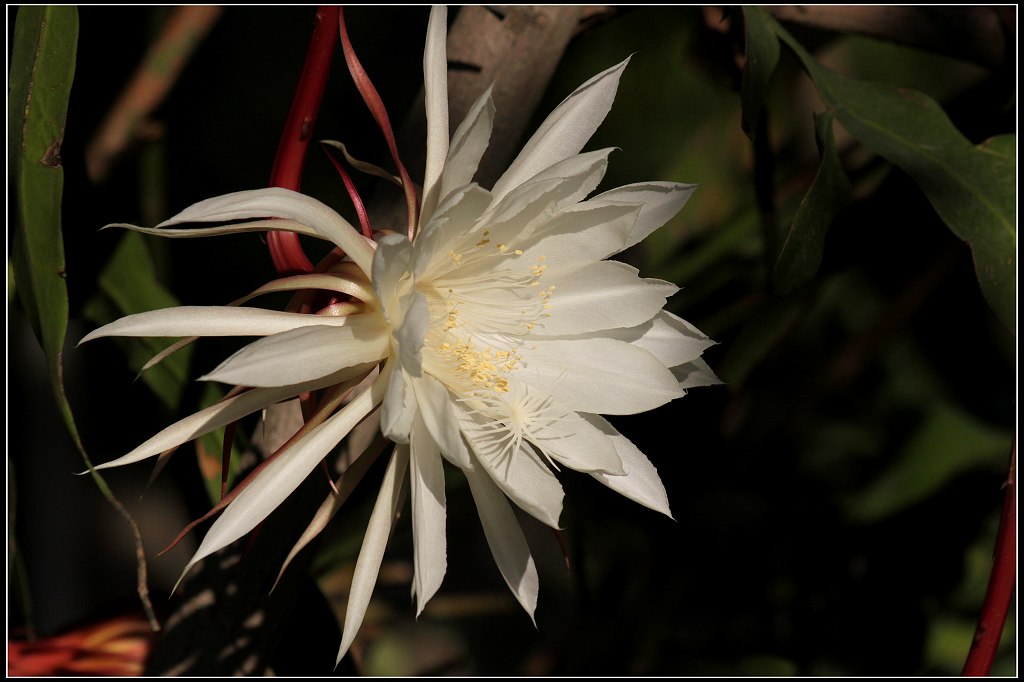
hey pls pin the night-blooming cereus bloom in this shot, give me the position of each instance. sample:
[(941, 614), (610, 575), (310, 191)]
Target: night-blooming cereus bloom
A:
[(499, 333)]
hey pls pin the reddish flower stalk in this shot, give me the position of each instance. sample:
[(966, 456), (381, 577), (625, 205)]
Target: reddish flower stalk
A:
[(376, 106), (285, 249), (357, 201), (1000, 585)]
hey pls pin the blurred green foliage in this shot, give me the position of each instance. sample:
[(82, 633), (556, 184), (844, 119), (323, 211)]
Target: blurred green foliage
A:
[(835, 501)]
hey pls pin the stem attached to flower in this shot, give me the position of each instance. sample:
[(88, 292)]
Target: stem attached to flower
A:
[(1000, 584), (285, 249), (376, 106), (357, 201)]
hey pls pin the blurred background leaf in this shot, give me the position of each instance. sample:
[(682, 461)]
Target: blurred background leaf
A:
[(973, 188)]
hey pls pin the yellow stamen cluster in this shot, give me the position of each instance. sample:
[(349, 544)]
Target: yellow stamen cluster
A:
[(489, 305), (485, 367)]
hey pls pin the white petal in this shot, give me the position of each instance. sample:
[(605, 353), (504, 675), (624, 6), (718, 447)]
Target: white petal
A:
[(282, 203), (190, 320), (428, 515), (435, 406), (667, 337), (235, 228), (220, 414), (468, 145), (659, 202), (374, 542), (399, 408), (602, 295), (283, 475), (454, 218), (404, 308), (565, 130), (435, 89), (695, 374), (563, 184), (520, 474), (348, 481), (391, 275), (410, 334), (585, 232), (511, 221), (641, 482), (303, 354), (577, 444), (505, 538), (600, 376)]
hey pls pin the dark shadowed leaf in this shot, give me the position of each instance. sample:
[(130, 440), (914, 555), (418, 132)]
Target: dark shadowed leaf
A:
[(762, 58), (947, 444), (971, 187), (800, 255)]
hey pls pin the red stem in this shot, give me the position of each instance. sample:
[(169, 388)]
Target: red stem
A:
[(1000, 584), (285, 249), (379, 112), (353, 195)]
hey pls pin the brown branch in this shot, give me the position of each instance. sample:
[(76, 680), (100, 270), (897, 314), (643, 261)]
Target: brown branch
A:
[(154, 78)]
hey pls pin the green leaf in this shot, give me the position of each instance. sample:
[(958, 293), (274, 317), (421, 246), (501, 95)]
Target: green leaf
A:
[(800, 255), (948, 443), (42, 68), (128, 285), (210, 447), (972, 188), (762, 48)]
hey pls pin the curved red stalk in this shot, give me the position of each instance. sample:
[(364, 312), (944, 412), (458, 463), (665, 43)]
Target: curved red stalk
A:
[(380, 115), (1000, 584), (285, 249), (353, 195)]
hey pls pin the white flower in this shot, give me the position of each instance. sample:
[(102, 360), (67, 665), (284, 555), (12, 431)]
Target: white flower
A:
[(500, 330)]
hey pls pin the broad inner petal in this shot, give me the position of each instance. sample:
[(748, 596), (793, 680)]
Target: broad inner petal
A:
[(305, 354)]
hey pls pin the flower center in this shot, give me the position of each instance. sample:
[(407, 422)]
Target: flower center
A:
[(480, 307)]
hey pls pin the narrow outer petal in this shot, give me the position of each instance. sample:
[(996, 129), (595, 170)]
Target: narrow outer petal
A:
[(565, 130), (374, 542), (658, 202), (430, 556), (435, 406), (278, 202), (468, 145), (302, 355), (223, 413), (189, 320), (399, 408), (506, 540), (284, 474), (435, 89)]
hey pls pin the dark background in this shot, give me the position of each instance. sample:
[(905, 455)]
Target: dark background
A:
[(835, 502)]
